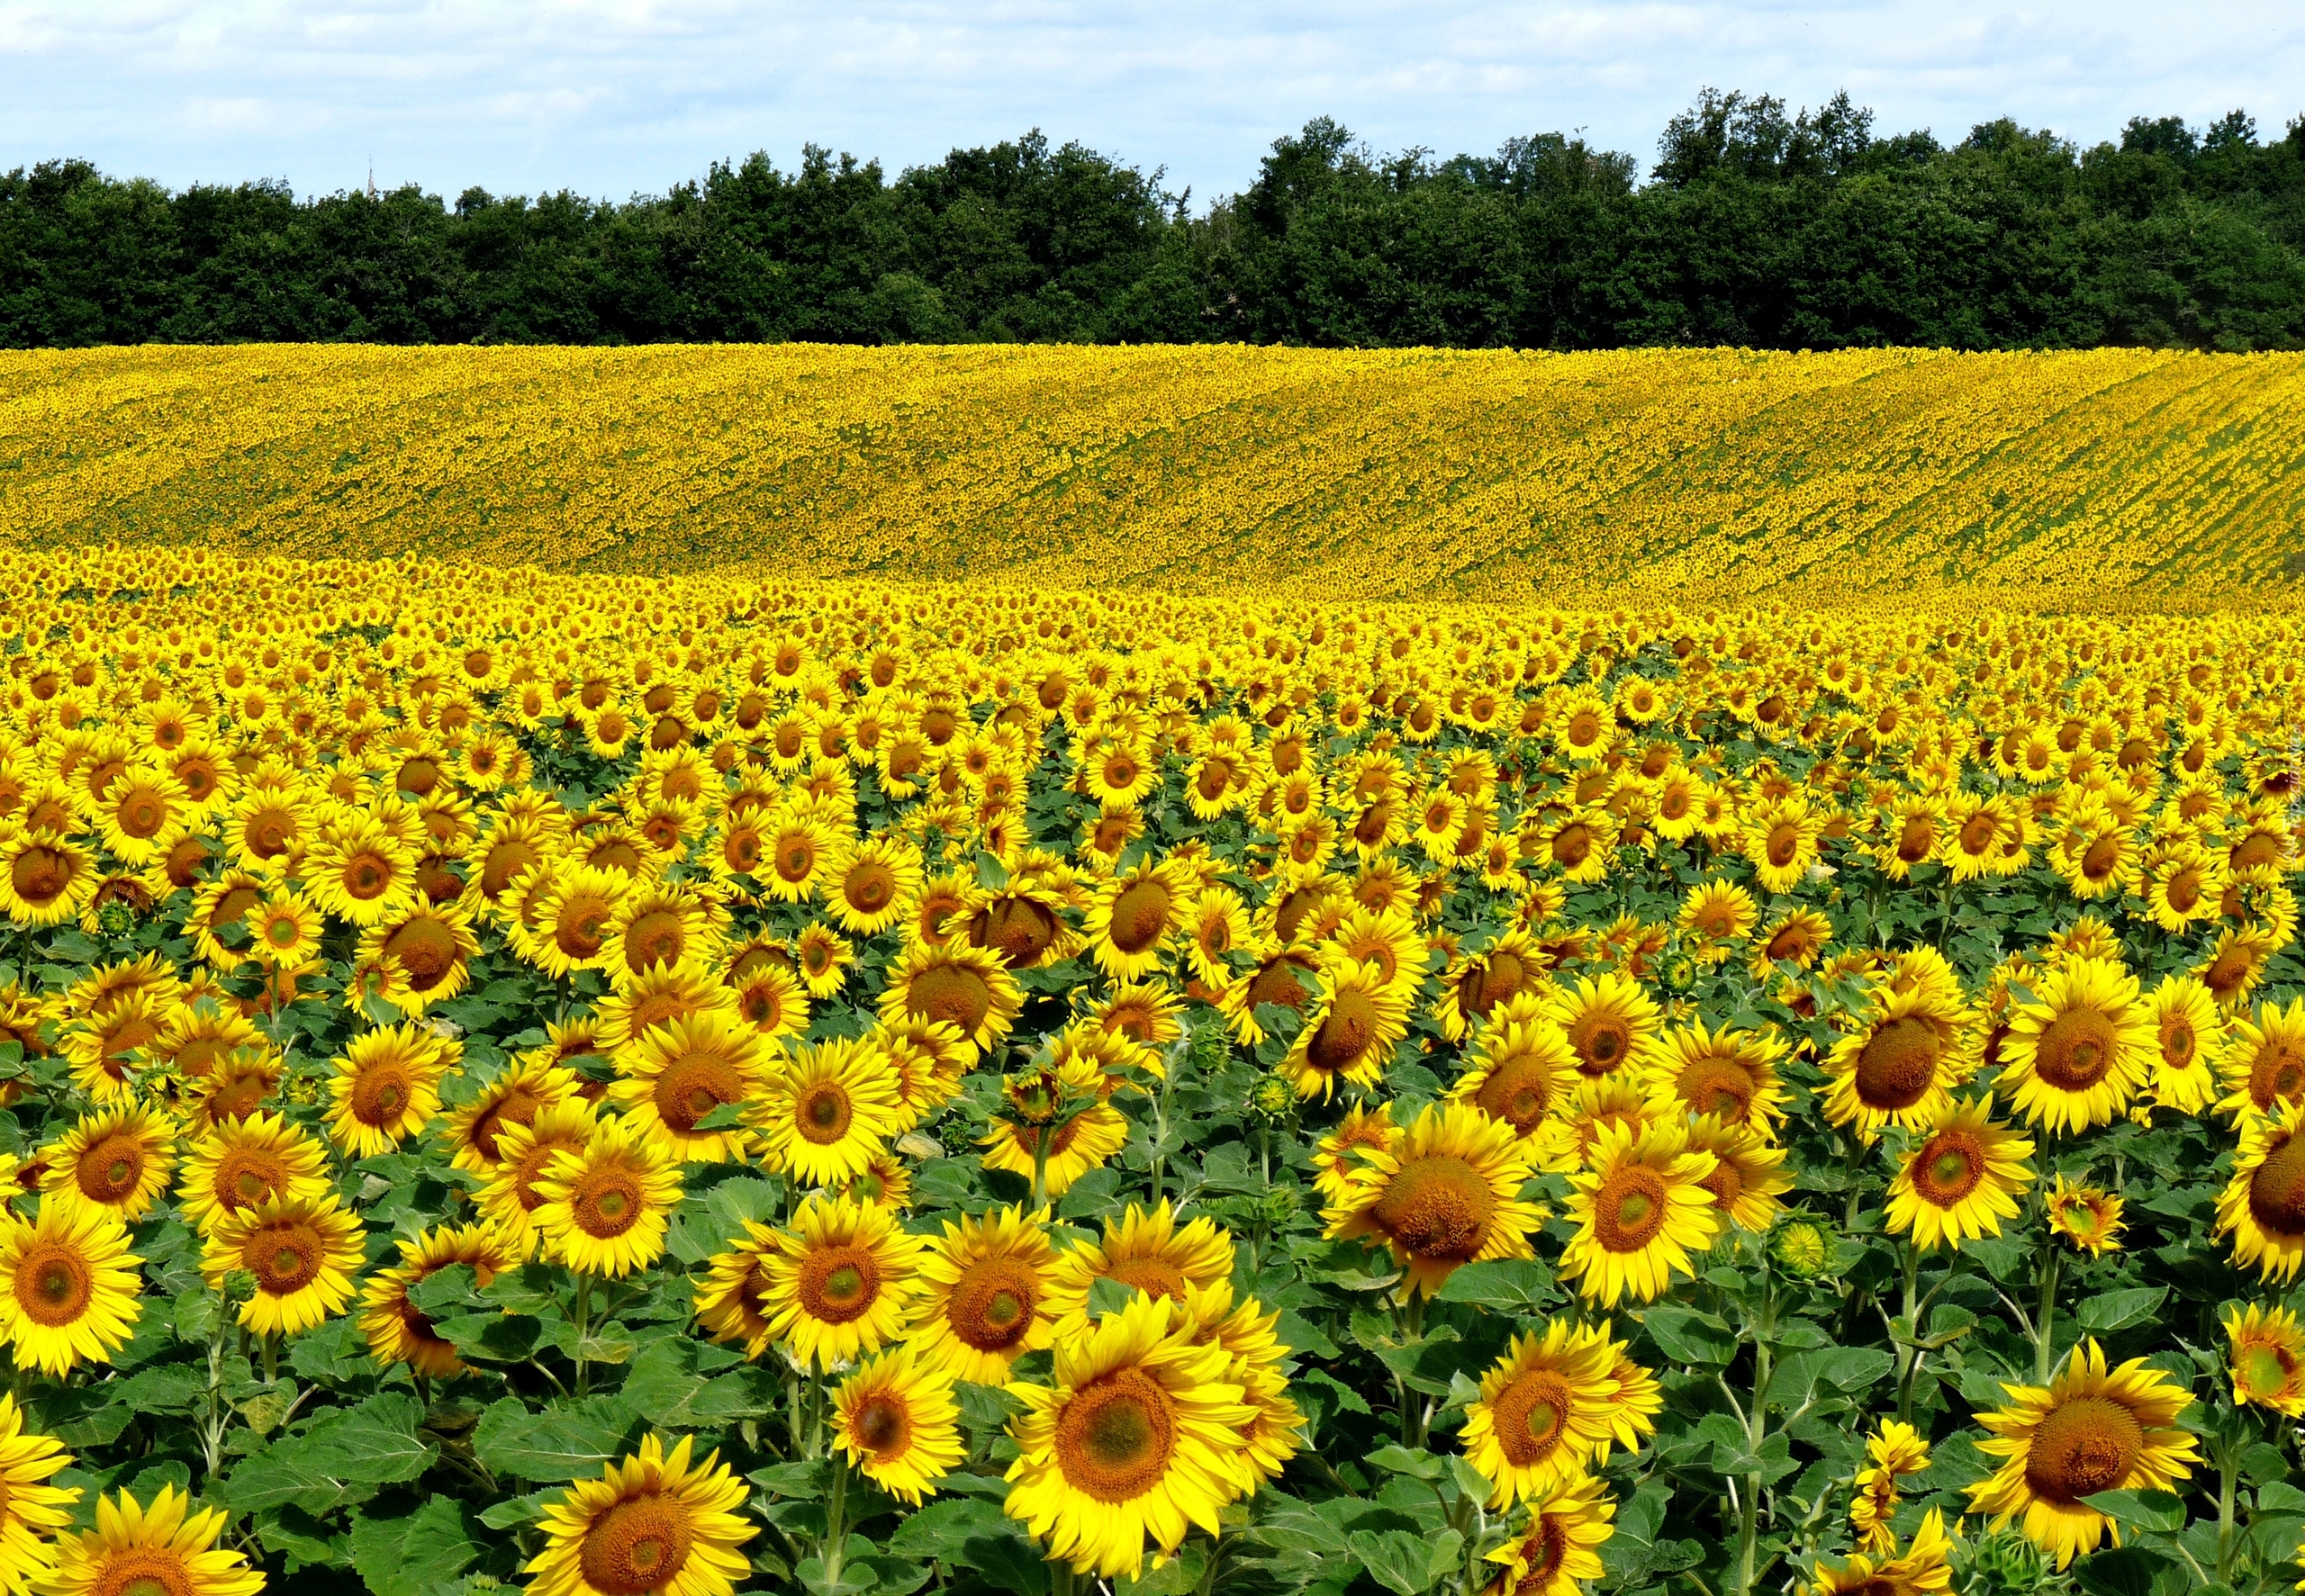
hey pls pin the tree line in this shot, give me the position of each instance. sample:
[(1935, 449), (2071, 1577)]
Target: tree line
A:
[(1753, 226)]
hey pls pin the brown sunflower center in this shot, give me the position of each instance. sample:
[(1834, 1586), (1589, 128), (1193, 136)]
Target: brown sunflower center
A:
[(656, 937), (1155, 1276), (1115, 1436), (1519, 1092), (1898, 1064), (108, 1172), (1726, 1182), (1947, 1167), (1438, 1206), (1140, 915), (870, 886), (1718, 1086), (839, 1283), (284, 1258), (2178, 1042), (950, 993), (2085, 1445), (381, 1093), (142, 813), (238, 1098), (824, 1112), (144, 1571), (2077, 1049), (1600, 1038), (1783, 844), (518, 1107), (1343, 1037), (2277, 1188), (54, 1283), (1629, 1208), (246, 1177), (992, 1305), (1016, 928), (606, 1201), (882, 1424), (2277, 1074), (2101, 858), (639, 1544), (581, 929), (692, 1086), (1531, 1416), (1492, 981)]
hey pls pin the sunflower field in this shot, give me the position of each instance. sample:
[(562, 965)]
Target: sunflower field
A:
[(730, 1081), (2095, 479)]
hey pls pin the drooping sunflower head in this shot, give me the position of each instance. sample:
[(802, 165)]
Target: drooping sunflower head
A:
[(1350, 1032), (1749, 1173), (1447, 1196), (1475, 985)]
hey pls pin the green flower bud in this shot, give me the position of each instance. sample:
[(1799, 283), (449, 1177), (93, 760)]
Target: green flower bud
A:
[(240, 1285), (1803, 1247), (1274, 1098)]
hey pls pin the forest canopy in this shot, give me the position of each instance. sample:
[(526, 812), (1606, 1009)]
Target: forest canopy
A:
[(1753, 226)]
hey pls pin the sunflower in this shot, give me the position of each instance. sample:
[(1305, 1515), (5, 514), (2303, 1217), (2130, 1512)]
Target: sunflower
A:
[(1729, 1074), (1475, 985), (1922, 1571), (1569, 1523), (1781, 838), (1448, 1194), (387, 1088), (2087, 1216), (1136, 1436), (2089, 1430), (303, 1252), (1217, 924), (1641, 1207), (840, 1283), (1961, 1179), (142, 814), (573, 912), (895, 1417), (2074, 1056), (826, 1110), (162, 1550), (474, 1129), (660, 924), (2263, 1203), (430, 946), (1522, 1069), (284, 930), (1138, 916), (869, 885), (966, 987), (676, 1075), (2190, 1044), (44, 877), (2263, 1065), (360, 872), (1565, 1142), (104, 1046), (886, 1182), (771, 998), (1796, 937), (732, 1300), (1350, 1033), (1385, 940), (656, 997), (396, 1329), (1146, 1252), (1337, 1154), (1891, 1452), (925, 1062), (2266, 1359), (1899, 1068), (31, 1509), (69, 1286), (242, 1163), (240, 1085), (1609, 1021), (217, 906), (652, 1523), (1542, 1414), (1749, 1174), (117, 1159), (1716, 913), (600, 1211), (1082, 1143)]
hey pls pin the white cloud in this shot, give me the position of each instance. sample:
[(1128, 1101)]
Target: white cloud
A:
[(613, 96)]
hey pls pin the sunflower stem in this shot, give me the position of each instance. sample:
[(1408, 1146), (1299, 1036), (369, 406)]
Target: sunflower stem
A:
[(2044, 1327), (272, 1358), (1040, 1171), (578, 1316), (836, 1532)]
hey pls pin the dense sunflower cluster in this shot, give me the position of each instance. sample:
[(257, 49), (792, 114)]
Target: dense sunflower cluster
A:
[(2090, 479), (641, 1085)]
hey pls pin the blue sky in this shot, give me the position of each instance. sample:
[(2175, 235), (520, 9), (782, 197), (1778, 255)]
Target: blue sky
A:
[(610, 97)]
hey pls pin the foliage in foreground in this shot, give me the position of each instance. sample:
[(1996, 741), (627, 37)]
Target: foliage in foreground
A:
[(698, 1084)]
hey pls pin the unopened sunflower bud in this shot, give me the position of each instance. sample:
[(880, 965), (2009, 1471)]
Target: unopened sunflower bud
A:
[(240, 1285), (1803, 1247), (1273, 1098)]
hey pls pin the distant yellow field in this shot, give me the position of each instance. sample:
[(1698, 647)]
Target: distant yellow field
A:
[(2109, 477)]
